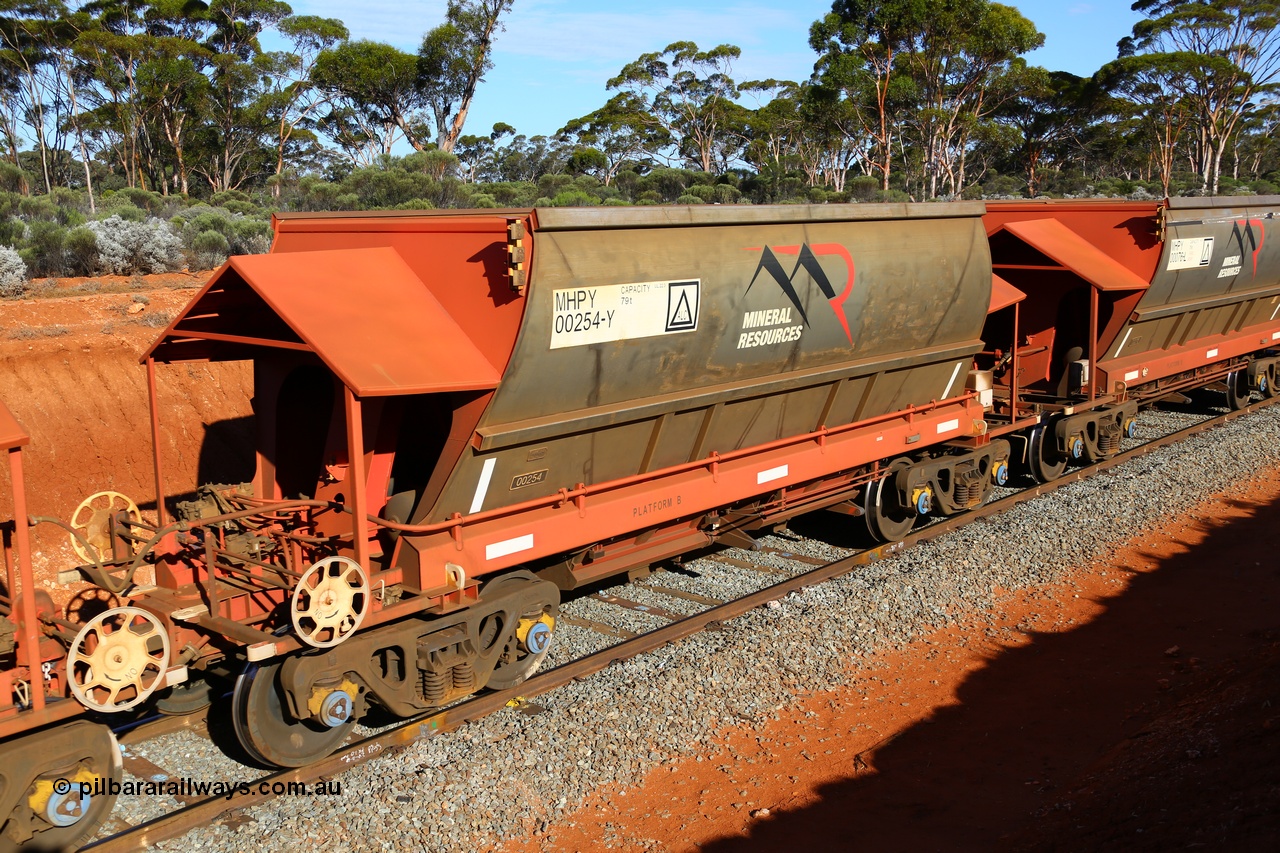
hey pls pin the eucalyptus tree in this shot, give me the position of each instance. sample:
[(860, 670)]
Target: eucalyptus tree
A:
[(293, 100), (689, 94), (1047, 109), (236, 119), (29, 34), (858, 44), (622, 131), (453, 60), (375, 96), (1152, 89), (1226, 53)]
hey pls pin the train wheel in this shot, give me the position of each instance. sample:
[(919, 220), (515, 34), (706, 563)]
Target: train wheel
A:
[(887, 520), (64, 806), (529, 643), (268, 732), (1238, 393), (1044, 461)]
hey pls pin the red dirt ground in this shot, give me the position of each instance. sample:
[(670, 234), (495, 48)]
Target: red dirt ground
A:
[(1135, 706), (69, 371)]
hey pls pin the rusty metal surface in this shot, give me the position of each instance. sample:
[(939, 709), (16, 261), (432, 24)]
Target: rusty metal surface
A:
[(11, 432), (183, 820), (1243, 238), (460, 256), (1214, 202), (362, 311)]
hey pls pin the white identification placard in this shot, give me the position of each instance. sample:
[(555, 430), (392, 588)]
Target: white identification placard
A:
[(616, 312), (1190, 253)]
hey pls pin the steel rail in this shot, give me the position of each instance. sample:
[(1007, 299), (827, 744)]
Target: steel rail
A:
[(201, 812)]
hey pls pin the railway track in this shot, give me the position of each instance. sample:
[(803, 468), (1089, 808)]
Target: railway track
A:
[(619, 643)]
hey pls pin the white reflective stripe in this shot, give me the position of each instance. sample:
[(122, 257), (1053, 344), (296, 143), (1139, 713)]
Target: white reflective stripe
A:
[(947, 426), (508, 546), (1131, 375), (954, 374), (1123, 341), (1275, 336), (1273, 315), (482, 487), (772, 474), (1213, 353)]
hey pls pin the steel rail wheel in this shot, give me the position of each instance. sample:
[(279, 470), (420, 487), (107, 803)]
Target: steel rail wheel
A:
[(1044, 462), (886, 518), (529, 640), (1238, 392), (268, 732), (64, 805)]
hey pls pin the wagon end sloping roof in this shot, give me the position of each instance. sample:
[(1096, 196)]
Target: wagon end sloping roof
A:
[(1003, 294), (11, 432), (364, 312), (1067, 248)]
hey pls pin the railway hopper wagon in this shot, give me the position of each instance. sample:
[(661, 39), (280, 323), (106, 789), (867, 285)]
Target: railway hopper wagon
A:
[(1119, 303), (461, 414), (57, 765)]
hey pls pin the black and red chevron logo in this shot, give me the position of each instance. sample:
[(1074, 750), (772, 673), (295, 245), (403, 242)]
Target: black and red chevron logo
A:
[(806, 260)]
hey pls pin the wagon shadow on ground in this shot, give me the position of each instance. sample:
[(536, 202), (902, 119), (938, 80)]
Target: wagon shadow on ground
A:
[(226, 456), (1094, 738)]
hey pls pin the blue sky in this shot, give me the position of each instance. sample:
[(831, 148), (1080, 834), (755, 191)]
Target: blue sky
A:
[(552, 62)]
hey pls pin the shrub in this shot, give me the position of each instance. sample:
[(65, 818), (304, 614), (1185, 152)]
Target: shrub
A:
[(44, 252), (34, 208), (13, 179), (209, 249), (863, 187), (250, 237), (574, 198), (13, 273), (689, 199), (81, 248), (128, 247), (136, 197)]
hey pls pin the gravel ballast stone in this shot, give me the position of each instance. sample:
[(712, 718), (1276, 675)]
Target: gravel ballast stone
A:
[(510, 774)]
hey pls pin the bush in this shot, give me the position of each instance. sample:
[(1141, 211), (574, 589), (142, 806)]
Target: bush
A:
[(44, 247), (574, 198), (81, 249), (250, 237), (13, 273), (209, 249), (689, 199), (127, 247)]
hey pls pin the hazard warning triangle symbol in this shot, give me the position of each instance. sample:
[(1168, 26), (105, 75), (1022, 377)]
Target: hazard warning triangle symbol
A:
[(682, 315), (682, 306)]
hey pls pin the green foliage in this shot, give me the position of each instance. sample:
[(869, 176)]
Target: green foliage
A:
[(186, 118), (43, 251), (81, 251), (574, 198), (209, 249)]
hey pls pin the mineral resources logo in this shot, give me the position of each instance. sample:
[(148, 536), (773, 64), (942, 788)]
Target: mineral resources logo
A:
[(807, 261)]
